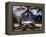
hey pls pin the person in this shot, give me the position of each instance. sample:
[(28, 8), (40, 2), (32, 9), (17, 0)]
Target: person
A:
[(26, 16)]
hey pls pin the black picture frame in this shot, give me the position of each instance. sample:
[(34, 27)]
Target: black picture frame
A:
[(9, 23)]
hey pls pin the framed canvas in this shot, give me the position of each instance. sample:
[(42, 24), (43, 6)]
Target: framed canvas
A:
[(24, 18)]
